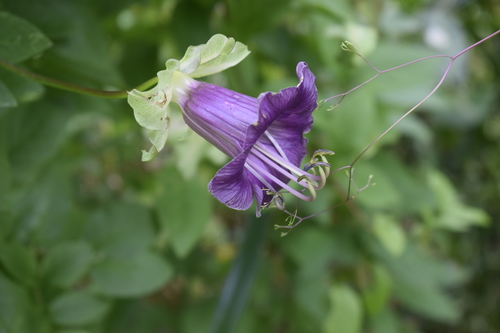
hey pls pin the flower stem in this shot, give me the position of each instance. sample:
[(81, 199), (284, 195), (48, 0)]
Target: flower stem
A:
[(73, 87)]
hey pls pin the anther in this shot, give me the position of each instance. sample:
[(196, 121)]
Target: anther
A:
[(308, 179), (320, 152), (309, 166)]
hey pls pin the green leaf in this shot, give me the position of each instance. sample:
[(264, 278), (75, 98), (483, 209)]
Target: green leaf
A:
[(81, 50), (238, 285), (390, 234), (346, 314), (427, 300), (419, 282), (140, 315), (19, 39), (123, 230), (184, 209), (136, 276), (376, 297), (386, 321), (19, 261), (67, 263), (5, 169), (77, 308), (6, 98), (17, 311), (249, 17), (12, 303), (451, 213), (24, 90), (35, 137)]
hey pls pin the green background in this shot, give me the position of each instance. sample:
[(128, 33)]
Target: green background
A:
[(93, 240)]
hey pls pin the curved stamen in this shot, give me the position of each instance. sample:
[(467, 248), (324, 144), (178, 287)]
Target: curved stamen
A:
[(279, 168), (283, 163), (277, 199), (278, 181), (320, 152), (309, 166), (308, 179)]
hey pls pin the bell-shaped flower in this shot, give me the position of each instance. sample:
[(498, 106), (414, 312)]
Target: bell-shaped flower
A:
[(263, 136)]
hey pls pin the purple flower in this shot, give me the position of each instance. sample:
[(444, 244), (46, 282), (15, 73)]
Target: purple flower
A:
[(263, 136)]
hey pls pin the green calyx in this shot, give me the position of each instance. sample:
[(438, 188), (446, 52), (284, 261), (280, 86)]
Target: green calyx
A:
[(151, 108)]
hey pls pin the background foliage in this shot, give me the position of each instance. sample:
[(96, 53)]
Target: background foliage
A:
[(93, 240)]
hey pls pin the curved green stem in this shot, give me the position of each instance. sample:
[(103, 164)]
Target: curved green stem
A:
[(73, 87)]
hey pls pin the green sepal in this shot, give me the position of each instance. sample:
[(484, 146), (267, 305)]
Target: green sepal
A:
[(151, 108), (152, 112), (218, 54), (158, 139)]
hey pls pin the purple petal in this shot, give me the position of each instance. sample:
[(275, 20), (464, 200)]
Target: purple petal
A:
[(219, 115), (233, 185), (286, 116)]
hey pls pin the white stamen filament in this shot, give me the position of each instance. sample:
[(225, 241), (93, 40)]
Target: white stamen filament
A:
[(279, 168), (276, 145), (279, 182), (259, 177), (285, 164)]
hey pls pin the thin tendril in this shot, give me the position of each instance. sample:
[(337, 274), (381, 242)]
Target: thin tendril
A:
[(350, 167), (443, 77), (379, 72)]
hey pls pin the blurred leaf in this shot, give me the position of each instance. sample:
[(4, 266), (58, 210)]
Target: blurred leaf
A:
[(416, 129), (419, 282), (18, 313), (451, 213), (239, 281), (135, 276), (365, 38), (7, 222), (351, 126), (139, 316), (390, 234), (77, 308), (346, 314), (338, 9), (19, 261), (81, 50), (24, 90), (67, 263), (398, 188), (311, 297), (376, 297), (34, 137), (184, 210), (313, 251), (386, 321), (198, 316), (314, 248), (19, 39), (243, 13), (122, 230), (427, 300), (42, 207), (5, 169), (6, 98)]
